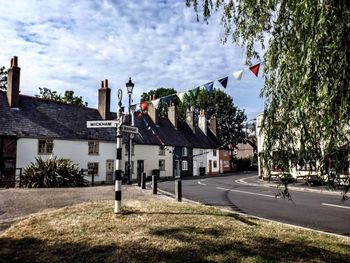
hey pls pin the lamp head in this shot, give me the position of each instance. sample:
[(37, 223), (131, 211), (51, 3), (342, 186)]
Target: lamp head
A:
[(129, 86)]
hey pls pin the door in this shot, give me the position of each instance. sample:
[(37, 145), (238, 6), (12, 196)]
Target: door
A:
[(109, 170), (140, 166), (195, 168), (177, 171), (8, 148), (210, 166)]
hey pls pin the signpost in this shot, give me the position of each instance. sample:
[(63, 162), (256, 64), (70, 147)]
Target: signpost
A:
[(118, 124)]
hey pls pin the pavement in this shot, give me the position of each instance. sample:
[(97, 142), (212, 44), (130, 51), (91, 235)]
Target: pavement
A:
[(253, 180), (19, 203)]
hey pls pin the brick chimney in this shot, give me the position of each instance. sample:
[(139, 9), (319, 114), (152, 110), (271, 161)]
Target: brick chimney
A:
[(202, 122), (13, 79), (152, 111), (104, 100), (190, 118), (213, 124), (172, 115)]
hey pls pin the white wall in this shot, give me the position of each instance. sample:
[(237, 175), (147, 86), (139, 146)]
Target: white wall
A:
[(199, 158), (77, 151), (150, 155)]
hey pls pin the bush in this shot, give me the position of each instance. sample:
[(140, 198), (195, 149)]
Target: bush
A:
[(52, 173)]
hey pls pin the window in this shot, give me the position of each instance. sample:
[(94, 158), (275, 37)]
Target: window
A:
[(184, 151), (93, 148), (162, 165), (127, 149), (215, 164), (161, 150), (225, 153), (45, 146), (214, 152), (92, 169), (184, 166)]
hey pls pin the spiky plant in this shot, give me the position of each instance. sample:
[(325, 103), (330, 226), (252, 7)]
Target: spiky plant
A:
[(52, 172)]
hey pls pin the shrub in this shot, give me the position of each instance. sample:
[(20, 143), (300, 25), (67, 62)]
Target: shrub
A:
[(52, 173)]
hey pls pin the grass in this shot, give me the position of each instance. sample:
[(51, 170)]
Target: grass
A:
[(162, 231)]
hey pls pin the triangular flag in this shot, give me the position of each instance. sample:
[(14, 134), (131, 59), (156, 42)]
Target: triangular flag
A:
[(167, 99), (223, 82), (144, 105), (195, 92), (209, 86), (255, 69), (181, 96), (238, 74), (155, 103)]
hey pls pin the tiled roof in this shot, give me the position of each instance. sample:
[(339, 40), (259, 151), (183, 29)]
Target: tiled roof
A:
[(37, 118)]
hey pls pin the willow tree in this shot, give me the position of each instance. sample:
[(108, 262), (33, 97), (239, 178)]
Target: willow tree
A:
[(306, 69)]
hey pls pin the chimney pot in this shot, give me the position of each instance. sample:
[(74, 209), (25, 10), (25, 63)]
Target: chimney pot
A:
[(15, 61), (106, 83), (102, 84)]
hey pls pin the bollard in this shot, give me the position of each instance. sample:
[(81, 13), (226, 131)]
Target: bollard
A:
[(93, 178), (154, 184), (139, 179), (178, 190), (143, 181)]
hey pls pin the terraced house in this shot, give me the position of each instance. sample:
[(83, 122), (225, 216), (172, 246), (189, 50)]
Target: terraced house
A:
[(32, 127)]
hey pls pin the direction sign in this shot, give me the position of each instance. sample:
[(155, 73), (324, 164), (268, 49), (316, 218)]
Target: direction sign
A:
[(101, 124), (130, 129)]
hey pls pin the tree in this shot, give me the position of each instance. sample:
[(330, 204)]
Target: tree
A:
[(3, 78), (306, 69), (68, 97), (230, 119)]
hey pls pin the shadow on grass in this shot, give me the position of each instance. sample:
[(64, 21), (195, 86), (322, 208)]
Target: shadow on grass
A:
[(242, 219), (199, 248)]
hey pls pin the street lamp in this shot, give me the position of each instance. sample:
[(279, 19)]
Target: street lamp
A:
[(129, 86)]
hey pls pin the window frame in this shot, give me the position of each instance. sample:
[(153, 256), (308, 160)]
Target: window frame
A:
[(96, 168), (95, 148), (184, 152), (161, 167), (46, 142), (184, 165)]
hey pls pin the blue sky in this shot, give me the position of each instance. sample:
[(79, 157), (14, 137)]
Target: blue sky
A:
[(74, 45)]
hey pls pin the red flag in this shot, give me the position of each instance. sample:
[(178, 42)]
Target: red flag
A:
[(255, 69), (144, 106)]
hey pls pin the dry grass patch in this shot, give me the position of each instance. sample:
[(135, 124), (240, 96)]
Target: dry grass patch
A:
[(162, 231)]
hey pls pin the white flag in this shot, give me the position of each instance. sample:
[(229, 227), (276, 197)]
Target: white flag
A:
[(155, 103), (181, 96), (238, 74)]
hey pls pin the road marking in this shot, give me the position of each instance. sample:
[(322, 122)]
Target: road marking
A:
[(338, 206), (199, 182), (244, 192)]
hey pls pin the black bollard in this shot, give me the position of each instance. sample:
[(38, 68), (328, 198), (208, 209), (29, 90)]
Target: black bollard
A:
[(143, 181), (154, 184), (178, 190), (139, 179)]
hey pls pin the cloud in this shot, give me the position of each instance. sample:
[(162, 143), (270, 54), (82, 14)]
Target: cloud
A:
[(75, 44)]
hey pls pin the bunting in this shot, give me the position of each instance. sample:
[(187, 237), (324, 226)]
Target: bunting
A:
[(238, 74), (155, 103), (195, 91), (181, 96), (223, 82), (209, 86), (255, 69)]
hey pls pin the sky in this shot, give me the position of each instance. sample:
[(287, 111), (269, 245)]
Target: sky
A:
[(74, 45)]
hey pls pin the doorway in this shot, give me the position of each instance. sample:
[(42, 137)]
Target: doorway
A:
[(195, 168), (210, 166), (109, 170), (8, 148)]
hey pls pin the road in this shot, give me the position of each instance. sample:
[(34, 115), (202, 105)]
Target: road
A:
[(318, 211)]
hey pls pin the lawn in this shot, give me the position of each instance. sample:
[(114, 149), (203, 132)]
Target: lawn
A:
[(162, 230)]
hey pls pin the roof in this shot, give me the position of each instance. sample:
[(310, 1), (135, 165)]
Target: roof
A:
[(42, 118), (38, 117)]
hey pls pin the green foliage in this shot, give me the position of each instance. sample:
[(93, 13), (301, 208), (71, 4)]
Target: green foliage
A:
[(306, 69), (3, 78), (52, 173), (68, 97)]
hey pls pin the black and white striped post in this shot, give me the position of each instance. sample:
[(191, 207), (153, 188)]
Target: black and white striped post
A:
[(118, 161)]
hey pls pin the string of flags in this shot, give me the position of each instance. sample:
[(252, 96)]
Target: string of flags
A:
[(194, 92)]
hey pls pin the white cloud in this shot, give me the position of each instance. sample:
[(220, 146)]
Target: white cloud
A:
[(76, 44)]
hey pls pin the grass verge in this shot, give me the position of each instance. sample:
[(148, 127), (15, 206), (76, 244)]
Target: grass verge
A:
[(162, 231)]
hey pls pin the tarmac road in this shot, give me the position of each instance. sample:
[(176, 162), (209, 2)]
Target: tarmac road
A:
[(316, 210)]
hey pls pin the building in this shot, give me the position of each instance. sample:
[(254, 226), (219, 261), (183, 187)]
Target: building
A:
[(32, 127)]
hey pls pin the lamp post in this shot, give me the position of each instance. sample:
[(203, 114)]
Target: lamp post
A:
[(129, 86)]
